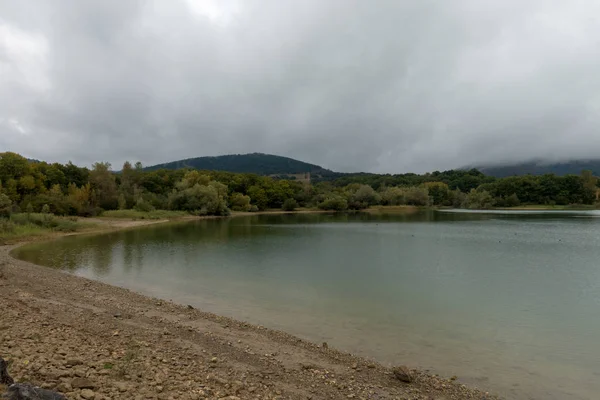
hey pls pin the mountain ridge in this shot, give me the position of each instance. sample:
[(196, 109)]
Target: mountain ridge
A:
[(541, 167), (256, 163)]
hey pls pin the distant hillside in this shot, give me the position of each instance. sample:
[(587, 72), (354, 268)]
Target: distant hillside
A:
[(256, 163), (539, 168)]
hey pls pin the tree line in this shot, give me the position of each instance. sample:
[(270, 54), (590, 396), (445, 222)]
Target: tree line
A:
[(66, 189)]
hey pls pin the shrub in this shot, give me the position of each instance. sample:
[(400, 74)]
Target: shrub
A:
[(334, 203), (479, 199), (6, 226), (393, 196), (417, 196), (45, 209), (289, 205), (5, 205), (143, 206), (239, 202), (364, 197)]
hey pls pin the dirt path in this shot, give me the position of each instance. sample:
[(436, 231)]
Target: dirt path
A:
[(90, 340)]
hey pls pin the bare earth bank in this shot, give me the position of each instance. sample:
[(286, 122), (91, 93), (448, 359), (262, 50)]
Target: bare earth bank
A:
[(90, 340)]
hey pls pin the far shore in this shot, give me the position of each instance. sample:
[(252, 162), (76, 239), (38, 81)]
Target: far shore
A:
[(58, 329)]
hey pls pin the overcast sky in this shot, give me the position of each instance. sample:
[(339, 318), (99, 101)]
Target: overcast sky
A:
[(353, 85)]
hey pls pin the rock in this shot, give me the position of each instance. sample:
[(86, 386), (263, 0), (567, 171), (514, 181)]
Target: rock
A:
[(73, 362), (88, 394), (5, 379), (82, 383), (190, 307), (26, 391), (122, 387), (403, 374)]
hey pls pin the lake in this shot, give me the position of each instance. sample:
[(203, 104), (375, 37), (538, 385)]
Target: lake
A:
[(507, 301)]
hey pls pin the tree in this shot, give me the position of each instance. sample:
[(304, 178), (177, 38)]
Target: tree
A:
[(439, 192), (363, 197), (479, 199), (103, 183), (417, 196), (46, 209), (289, 205), (590, 187), (143, 206), (5, 205), (13, 166), (512, 201), (122, 202), (335, 203), (239, 202), (393, 196), (258, 197)]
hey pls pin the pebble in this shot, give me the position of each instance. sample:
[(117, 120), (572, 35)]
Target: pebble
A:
[(88, 394)]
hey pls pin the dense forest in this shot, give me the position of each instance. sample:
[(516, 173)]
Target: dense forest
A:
[(66, 189)]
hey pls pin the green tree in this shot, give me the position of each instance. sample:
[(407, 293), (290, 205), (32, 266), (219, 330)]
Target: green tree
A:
[(122, 202), (5, 205), (439, 192), (258, 197), (393, 196), (334, 202), (417, 196), (289, 205), (103, 183), (239, 202), (363, 196), (479, 199)]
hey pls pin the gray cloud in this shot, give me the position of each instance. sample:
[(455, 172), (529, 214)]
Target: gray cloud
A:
[(384, 86)]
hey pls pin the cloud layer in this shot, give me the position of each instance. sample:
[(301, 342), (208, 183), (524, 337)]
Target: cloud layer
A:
[(384, 86)]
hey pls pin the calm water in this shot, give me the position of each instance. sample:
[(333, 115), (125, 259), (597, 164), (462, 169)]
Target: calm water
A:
[(507, 302)]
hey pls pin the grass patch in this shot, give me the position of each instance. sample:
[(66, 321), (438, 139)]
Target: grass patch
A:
[(134, 214), (23, 225)]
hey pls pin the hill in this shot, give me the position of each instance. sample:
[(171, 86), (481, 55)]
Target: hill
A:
[(255, 163), (540, 167)]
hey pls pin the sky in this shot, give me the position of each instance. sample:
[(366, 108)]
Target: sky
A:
[(381, 86)]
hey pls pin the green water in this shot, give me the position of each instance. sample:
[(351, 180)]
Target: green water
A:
[(507, 302)]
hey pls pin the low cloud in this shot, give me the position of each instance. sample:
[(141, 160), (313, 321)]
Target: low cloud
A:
[(397, 86)]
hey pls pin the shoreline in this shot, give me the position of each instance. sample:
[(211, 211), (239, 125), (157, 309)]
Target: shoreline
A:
[(60, 329)]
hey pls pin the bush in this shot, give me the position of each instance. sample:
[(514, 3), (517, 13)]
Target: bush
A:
[(143, 206), (289, 205), (66, 226), (512, 201), (254, 208), (416, 196), (6, 226), (364, 197), (239, 202), (5, 205), (334, 203), (393, 196), (46, 209), (479, 200)]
